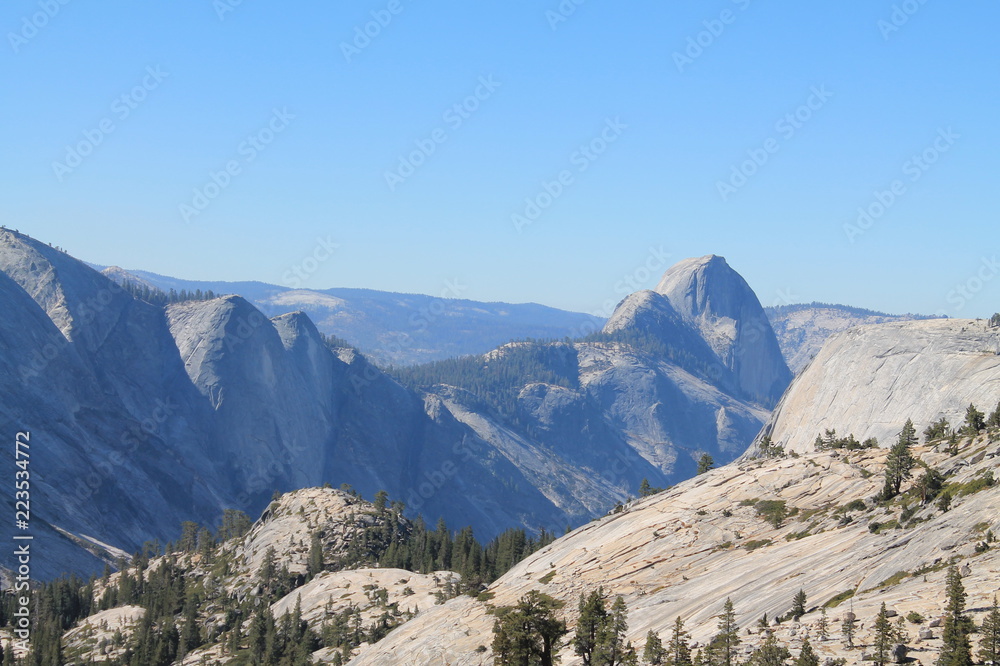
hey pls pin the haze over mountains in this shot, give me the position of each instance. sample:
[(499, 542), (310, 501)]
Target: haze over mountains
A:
[(394, 328), (151, 415), (407, 329)]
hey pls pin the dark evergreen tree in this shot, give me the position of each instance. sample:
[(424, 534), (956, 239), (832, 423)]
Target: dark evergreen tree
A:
[(975, 421), (770, 653), (955, 648), (679, 652), (989, 642), (529, 633), (883, 637), (799, 605), (899, 461), (807, 656), (316, 563), (705, 463), (653, 652), (728, 638)]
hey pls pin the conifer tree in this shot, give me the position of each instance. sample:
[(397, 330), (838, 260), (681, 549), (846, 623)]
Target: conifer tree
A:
[(799, 605), (770, 653), (679, 653), (653, 653), (883, 637), (975, 421), (705, 463), (728, 638), (955, 649), (899, 461), (589, 626), (316, 563), (989, 643), (849, 628), (528, 634), (807, 656), (823, 627)]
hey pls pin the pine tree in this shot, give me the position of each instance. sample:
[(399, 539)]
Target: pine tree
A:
[(975, 421), (529, 633), (728, 638), (316, 563), (994, 420), (823, 627), (705, 463), (883, 637), (770, 653), (799, 605), (955, 649), (989, 644), (645, 490), (679, 653), (849, 628), (899, 461), (807, 656), (593, 617), (653, 653)]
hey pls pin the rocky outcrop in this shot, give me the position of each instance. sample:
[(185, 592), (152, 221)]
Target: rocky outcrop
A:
[(718, 301), (802, 329), (682, 552), (867, 381)]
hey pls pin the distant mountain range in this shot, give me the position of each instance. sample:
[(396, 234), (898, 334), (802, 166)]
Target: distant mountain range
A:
[(146, 415), (393, 328)]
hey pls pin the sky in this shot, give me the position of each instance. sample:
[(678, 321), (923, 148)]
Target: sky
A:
[(563, 153)]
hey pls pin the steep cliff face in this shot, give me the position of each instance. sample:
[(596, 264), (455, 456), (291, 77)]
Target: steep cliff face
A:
[(166, 414), (868, 380), (717, 300)]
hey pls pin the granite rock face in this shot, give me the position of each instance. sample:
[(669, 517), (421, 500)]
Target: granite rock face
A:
[(868, 380), (148, 416), (803, 328), (717, 300), (682, 552)]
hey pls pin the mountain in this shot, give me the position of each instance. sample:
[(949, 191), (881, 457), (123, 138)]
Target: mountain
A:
[(867, 381), (718, 301), (755, 533), (392, 328), (803, 328), (149, 415)]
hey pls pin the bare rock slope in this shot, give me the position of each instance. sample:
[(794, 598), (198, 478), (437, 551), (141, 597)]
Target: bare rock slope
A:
[(682, 552), (868, 380)]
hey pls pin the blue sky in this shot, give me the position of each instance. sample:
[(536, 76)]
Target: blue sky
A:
[(667, 123)]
